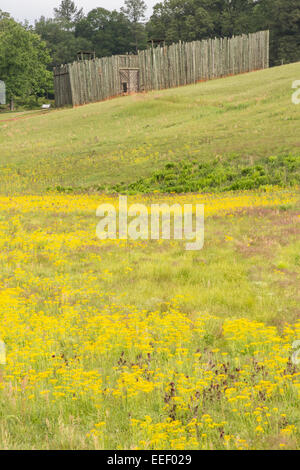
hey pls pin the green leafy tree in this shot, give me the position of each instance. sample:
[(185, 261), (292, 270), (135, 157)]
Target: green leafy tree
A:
[(68, 14), (62, 44), (23, 61), (135, 11), (237, 17), (186, 20), (4, 15), (108, 31), (282, 17), (189, 20)]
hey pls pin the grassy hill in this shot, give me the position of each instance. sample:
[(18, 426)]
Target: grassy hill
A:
[(237, 121)]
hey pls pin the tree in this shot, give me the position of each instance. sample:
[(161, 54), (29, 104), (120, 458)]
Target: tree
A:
[(237, 17), (4, 15), (108, 31), (68, 14), (282, 17), (135, 11), (62, 44), (23, 61), (185, 20)]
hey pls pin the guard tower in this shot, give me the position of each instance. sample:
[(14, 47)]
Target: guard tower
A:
[(86, 55), (156, 43)]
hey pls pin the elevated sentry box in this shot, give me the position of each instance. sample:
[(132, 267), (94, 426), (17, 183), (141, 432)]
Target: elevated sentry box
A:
[(156, 43), (86, 55), (2, 92), (130, 80)]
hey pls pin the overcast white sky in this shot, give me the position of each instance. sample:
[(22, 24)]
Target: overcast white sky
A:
[(33, 9)]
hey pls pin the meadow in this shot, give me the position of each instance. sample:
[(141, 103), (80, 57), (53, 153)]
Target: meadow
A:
[(142, 344), (246, 118)]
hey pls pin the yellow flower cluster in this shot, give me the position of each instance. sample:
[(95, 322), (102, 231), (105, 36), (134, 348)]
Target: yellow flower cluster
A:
[(123, 375)]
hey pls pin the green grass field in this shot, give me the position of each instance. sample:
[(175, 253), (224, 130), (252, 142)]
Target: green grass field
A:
[(247, 117), (142, 344)]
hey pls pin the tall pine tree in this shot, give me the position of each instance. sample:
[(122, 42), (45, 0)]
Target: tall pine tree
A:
[(135, 11), (68, 14)]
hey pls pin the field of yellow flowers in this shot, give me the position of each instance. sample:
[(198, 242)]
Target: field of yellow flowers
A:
[(143, 345)]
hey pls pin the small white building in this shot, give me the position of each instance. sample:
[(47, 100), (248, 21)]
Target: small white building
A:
[(2, 92)]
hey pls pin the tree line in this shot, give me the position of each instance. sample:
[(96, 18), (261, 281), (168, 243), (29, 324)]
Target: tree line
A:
[(117, 32), (28, 52)]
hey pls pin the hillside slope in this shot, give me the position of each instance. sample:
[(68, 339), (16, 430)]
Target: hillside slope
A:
[(246, 117)]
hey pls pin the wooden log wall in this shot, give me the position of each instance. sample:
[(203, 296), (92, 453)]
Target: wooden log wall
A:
[(162, 67)]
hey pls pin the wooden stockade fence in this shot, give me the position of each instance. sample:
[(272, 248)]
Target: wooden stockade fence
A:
[(87, 81)]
